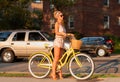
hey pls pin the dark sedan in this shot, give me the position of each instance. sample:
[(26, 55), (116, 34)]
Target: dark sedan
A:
[(101, 46)]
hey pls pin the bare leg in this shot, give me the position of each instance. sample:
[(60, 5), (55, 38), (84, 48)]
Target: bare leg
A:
[(60, 71), (55, 61)]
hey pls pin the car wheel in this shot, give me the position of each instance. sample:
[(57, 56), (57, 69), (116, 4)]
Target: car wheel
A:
[(101, 52), (7, 56)]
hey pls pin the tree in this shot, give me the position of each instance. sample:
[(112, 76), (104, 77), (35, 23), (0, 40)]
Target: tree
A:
[(61, 4), (15, 15), (37, 21)]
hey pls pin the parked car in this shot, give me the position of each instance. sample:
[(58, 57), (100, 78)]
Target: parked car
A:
[(23, 43), (100, 45)]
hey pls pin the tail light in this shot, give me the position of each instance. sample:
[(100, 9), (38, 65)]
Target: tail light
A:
[(109, 41)]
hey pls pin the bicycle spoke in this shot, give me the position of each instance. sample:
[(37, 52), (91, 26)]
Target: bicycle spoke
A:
[(85, 70), (39, 66)]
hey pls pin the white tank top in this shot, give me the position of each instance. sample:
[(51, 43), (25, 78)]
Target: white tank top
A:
[(61, 29)]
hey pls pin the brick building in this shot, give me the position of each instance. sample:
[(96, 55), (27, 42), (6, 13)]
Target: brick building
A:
[(88, 17)]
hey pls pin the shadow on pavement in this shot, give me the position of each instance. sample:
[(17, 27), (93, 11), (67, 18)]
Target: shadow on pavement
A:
[(108, 67)]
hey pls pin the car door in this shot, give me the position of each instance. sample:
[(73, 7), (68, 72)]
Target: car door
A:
[(36, 43), (18, 44), (92, 43), (84, 46)]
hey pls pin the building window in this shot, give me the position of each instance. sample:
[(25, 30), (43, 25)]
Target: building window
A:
[(106, 3), (71, 22), (106, 22), (52, 23), (119, 21), (118, 1), (37, 1)]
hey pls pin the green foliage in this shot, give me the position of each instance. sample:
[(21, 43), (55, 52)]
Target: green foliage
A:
[(36, 22), (4, 74), (15, 15), (77, 35), (61, 4), (116, 41)]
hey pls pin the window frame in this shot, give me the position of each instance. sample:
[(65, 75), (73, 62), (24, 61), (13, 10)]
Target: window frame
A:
[(52, 23), (118, 1), (106, 22), (119, 21), (15, 36), (41, 38), (37, 1), (106, 3), (71, 20)]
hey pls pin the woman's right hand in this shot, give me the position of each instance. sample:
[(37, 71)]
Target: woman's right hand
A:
[(69, 34)]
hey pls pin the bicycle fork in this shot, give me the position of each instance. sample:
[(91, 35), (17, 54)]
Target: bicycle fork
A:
[(78, 62)]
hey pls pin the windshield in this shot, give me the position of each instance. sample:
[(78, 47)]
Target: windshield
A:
[(48, 36), (4, 35)]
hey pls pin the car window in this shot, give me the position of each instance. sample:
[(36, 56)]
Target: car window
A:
[(95, 39), (84, 39), (20, 36), (92, 39), (48, 36), (35, 36), (4, 35), (100, 39)]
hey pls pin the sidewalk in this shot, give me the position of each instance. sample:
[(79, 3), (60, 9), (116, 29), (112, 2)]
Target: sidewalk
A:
[(31, 79), (110, 80)]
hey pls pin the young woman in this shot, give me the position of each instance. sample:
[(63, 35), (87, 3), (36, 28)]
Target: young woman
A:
[(60, 34)]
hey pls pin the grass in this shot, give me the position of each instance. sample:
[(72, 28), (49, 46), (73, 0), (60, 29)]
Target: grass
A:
[(4, 74)]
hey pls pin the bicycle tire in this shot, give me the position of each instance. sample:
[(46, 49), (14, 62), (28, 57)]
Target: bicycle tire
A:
[(39, 66), (81, 72)]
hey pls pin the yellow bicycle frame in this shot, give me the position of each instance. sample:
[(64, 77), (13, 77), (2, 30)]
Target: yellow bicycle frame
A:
[(65, 59)]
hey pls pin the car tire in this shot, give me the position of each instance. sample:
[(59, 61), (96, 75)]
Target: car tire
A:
[(101, 52), (7, 56)]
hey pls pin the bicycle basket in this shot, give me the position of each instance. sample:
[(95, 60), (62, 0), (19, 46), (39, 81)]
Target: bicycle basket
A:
[(76, 44)]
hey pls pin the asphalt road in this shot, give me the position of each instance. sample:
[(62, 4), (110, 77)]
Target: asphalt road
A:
[(102, 65)]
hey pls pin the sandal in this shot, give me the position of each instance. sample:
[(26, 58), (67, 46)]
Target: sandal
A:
[(60, 75), (53, 77)]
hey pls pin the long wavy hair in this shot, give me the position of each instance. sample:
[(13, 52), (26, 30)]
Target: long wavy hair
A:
[(56, 14)]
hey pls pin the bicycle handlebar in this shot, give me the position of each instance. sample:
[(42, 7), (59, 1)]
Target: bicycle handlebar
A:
[(71, 36)]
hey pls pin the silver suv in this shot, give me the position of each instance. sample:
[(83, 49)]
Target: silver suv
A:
[(15, 44)]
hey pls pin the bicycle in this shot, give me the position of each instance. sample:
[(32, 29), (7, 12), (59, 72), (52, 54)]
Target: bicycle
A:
[(81, 66)]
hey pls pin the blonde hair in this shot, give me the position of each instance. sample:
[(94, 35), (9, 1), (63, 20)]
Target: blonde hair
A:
[(56, 13)]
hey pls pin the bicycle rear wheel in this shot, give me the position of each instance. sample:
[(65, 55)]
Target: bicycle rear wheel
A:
[(39, 66), (81, 66)]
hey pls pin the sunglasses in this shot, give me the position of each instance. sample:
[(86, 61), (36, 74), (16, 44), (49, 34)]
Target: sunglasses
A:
[(61, 15)]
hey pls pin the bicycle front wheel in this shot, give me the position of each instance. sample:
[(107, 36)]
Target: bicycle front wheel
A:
[(81, 66), (39, 66)]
